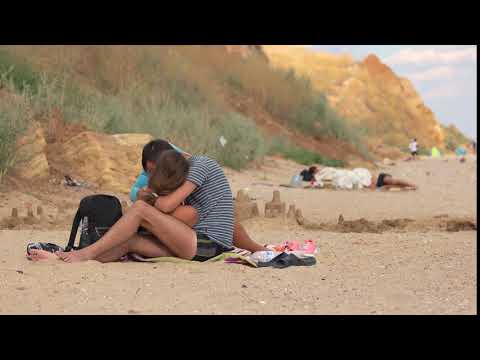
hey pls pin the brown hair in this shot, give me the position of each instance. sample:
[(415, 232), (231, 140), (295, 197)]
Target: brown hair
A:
[(153, 150), (170, 173)]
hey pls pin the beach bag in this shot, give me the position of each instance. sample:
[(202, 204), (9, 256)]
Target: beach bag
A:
[(296, 181), (96, 214)]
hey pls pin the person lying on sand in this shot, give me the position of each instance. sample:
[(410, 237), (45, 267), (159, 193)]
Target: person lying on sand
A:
[(201, 184), (150, 153), (308, 175), (385, 182)]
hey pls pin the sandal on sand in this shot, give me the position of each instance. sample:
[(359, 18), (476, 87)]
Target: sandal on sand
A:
[(293, 260), (53, 248), (271, 262)]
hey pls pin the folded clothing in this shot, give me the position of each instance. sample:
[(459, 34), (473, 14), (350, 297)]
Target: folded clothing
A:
[(308, 247)]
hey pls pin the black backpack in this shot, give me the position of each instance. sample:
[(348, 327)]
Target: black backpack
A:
[(97, 214)]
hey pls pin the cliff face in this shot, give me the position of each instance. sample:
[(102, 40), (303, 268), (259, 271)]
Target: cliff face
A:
[(368, 93)]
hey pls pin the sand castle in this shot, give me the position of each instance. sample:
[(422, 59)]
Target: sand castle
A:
[(275, 208), (245, 208), (14, 220), (291, 212)]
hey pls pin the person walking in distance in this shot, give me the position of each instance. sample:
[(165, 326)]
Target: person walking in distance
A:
[(413, 148)]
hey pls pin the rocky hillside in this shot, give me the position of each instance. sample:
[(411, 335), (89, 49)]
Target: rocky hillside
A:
[(368, 93), (108, 162)]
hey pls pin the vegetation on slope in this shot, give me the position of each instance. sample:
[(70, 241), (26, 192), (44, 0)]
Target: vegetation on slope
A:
[(175, 92)]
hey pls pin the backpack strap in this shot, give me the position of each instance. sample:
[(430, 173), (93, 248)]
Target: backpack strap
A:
[(73, 232)]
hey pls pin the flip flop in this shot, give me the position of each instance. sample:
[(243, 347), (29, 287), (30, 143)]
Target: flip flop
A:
[(271, 262), (53, 248), (293, 260)]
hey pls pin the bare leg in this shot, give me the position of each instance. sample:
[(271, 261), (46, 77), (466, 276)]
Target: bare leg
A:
[(186, 214), (175, 235), (141, 245), (243, 241), (148, 247), (145, 246)]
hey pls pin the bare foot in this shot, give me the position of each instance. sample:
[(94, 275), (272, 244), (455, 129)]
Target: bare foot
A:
[(37, 255), (73, 256)]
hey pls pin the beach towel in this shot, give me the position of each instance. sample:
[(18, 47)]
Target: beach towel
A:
[(346, 179), (238, 256), (364, 177)]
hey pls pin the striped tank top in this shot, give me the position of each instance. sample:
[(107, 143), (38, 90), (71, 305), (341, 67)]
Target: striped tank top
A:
[(212, 199)]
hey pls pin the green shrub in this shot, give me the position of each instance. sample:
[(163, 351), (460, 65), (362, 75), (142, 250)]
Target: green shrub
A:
[(317, 118), (14, 116), (233, 81), (18, 71), (244, 142), (280, 146)]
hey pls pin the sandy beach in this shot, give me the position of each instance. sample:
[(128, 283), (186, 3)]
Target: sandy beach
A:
[(421, 269)]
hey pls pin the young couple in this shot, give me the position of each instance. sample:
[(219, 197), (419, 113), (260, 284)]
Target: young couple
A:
[(183, 207)]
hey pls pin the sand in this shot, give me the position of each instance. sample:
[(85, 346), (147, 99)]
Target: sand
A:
[(418, 270)]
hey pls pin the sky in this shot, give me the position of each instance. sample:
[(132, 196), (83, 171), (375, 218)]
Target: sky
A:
[(445, 76)]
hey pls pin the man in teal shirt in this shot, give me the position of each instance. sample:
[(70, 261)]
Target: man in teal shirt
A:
[(149, 154)]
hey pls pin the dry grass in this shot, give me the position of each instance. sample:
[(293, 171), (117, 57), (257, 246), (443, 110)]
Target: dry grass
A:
[(179, 92)]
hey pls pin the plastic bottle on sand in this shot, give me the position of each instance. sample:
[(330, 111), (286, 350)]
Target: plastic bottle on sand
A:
[(263, 256)]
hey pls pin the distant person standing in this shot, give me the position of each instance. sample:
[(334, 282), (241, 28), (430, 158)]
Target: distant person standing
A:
[(413, 148), (474, 147)]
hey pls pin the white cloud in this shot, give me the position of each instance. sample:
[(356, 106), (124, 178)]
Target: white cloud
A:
[(434, 55), (435, 73)]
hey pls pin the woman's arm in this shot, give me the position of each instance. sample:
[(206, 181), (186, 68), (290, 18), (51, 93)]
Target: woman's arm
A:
[(170, 202)]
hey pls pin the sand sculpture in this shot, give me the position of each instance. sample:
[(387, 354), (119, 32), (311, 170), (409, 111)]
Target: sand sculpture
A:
[(245, 208), (275, 208)]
